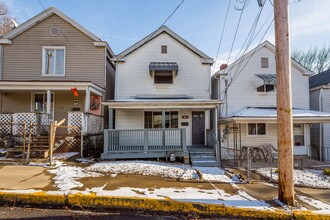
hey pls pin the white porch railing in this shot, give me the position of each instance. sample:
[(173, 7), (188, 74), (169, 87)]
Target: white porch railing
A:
[(145, 140), (90, 124)]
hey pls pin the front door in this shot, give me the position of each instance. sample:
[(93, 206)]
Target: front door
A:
[(198, 128)]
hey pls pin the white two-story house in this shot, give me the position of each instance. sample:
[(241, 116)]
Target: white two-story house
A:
[(162, 99), (248, 116)]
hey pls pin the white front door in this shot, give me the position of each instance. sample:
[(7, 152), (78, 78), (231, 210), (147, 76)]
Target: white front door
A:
[(299, 140)]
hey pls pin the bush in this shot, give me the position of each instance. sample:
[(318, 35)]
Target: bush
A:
[(326, 172), (93, 146)]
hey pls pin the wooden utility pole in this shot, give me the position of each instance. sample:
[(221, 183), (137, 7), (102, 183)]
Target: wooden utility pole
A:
[(284, 103)]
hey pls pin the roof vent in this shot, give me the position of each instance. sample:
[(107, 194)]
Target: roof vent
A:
[(54, 31)]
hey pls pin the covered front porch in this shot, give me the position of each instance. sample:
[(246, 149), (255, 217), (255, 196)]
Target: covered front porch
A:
[(254, 130), (159, 128), (71, 100)]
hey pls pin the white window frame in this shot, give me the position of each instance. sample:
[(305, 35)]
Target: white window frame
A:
[(256, 135), (43, 71)]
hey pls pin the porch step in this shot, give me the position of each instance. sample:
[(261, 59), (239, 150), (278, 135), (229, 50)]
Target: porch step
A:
[(204, 162), (203, 157)]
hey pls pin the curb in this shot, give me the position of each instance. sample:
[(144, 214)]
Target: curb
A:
[(151, 205)]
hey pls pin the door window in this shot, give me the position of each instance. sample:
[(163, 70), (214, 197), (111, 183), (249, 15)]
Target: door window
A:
[(40, 103)]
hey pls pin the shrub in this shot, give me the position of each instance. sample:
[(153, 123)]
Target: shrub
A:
[(326, 172)]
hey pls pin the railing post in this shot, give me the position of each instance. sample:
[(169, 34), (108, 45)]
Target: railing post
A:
[(163, 138), (183, 139), (106, 141), (145, 149)]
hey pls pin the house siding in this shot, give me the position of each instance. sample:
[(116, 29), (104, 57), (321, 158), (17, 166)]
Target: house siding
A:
[(133, 75), (315, 129), (23, 58), (326, 126), (242, 91)]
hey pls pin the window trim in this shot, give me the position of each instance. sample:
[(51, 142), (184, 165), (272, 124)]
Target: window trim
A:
[(256, 135), (161, 49), (43, 69), (144, 118)]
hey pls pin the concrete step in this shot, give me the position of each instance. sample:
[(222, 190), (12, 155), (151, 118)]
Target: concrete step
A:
[(196, 156), (205, 164)]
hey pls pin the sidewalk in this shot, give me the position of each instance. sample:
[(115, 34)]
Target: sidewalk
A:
[(100, 185)]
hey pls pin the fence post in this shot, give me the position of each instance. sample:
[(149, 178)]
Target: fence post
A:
[(145, 149), (249, 165), (81, 143), (29, 142), (24, 139), (163, 138), (51, 142)]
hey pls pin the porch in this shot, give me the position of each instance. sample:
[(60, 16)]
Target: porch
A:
[(155, 128)]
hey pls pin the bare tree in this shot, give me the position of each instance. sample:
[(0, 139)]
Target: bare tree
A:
[(6, 21), (315, 59)]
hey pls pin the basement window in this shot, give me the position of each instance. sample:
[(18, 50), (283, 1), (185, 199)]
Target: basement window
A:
[(163, 77)]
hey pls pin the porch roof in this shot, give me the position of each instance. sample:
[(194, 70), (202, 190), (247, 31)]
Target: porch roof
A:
[(54, 85), (162, 103), (269, 115)]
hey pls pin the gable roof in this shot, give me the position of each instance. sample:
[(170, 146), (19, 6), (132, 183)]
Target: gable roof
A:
[(272, 48), (319, 79), (164, 29), (42, 16)]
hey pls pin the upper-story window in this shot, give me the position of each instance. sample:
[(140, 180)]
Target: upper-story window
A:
[(265, 83), (53, 61), (257, 129), (164, 49), (264, 62), (163, 77)]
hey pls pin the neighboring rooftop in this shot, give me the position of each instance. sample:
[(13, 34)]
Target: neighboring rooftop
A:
[(319, 79)]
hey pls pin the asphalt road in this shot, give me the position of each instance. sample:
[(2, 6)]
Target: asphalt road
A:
[(37, 213)]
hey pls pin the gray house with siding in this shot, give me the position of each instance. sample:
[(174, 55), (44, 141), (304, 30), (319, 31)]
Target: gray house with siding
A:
[(51, 65), (319, 87)]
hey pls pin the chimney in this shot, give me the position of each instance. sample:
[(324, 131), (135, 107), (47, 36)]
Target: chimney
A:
[(223, 66)]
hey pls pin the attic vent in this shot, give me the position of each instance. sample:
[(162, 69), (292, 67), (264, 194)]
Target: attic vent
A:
[(54, 31)]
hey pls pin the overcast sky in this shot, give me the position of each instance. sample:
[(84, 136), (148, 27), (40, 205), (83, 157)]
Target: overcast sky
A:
[(123, 22)]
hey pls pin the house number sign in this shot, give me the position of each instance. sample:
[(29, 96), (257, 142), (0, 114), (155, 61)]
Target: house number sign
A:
[(185, 116)]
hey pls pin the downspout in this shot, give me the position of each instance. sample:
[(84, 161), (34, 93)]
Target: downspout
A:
[(321, 125)]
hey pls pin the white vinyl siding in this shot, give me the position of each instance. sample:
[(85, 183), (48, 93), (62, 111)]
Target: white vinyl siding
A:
[(133, 77), (242, 91)]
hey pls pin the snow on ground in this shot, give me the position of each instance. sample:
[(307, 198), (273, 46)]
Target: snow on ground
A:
[(146, 168), (324, 208), (312, 178), (214, 174), (58, 156), (188, 194), (66, 177)]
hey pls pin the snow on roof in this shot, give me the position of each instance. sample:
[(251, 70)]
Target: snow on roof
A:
[(255, 112)]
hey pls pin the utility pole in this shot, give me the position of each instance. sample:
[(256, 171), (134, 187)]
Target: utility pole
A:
[(284, 103)]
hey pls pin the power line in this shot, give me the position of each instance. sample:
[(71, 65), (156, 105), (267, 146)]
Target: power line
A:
[(223, 30)]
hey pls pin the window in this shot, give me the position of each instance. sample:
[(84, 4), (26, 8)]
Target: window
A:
[(266, 88), (164, 49), (163, 77), (256, 129), (53, 61), (155, 119), (264, 62), (298, 135)]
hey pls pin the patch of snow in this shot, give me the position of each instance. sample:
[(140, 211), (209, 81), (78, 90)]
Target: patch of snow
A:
[(214, 174), (3, 150), (312, 178), (67, 176), (67, 155), (324, 208), (188, 194), (146, 168)]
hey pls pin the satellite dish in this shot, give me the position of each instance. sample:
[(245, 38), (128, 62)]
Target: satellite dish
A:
[(14, 23)]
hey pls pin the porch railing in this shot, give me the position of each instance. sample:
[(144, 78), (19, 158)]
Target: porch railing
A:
[(212, 141), (90, 124), (144, 140)]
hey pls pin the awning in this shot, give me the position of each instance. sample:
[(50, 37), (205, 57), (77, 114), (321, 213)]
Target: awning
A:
[(267, 78), (165, 66), (269, 115)]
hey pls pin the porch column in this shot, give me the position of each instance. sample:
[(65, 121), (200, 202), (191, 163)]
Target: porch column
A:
[(49, 101), (215, 128), (163, 126), (87, 99), (110, 119)]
